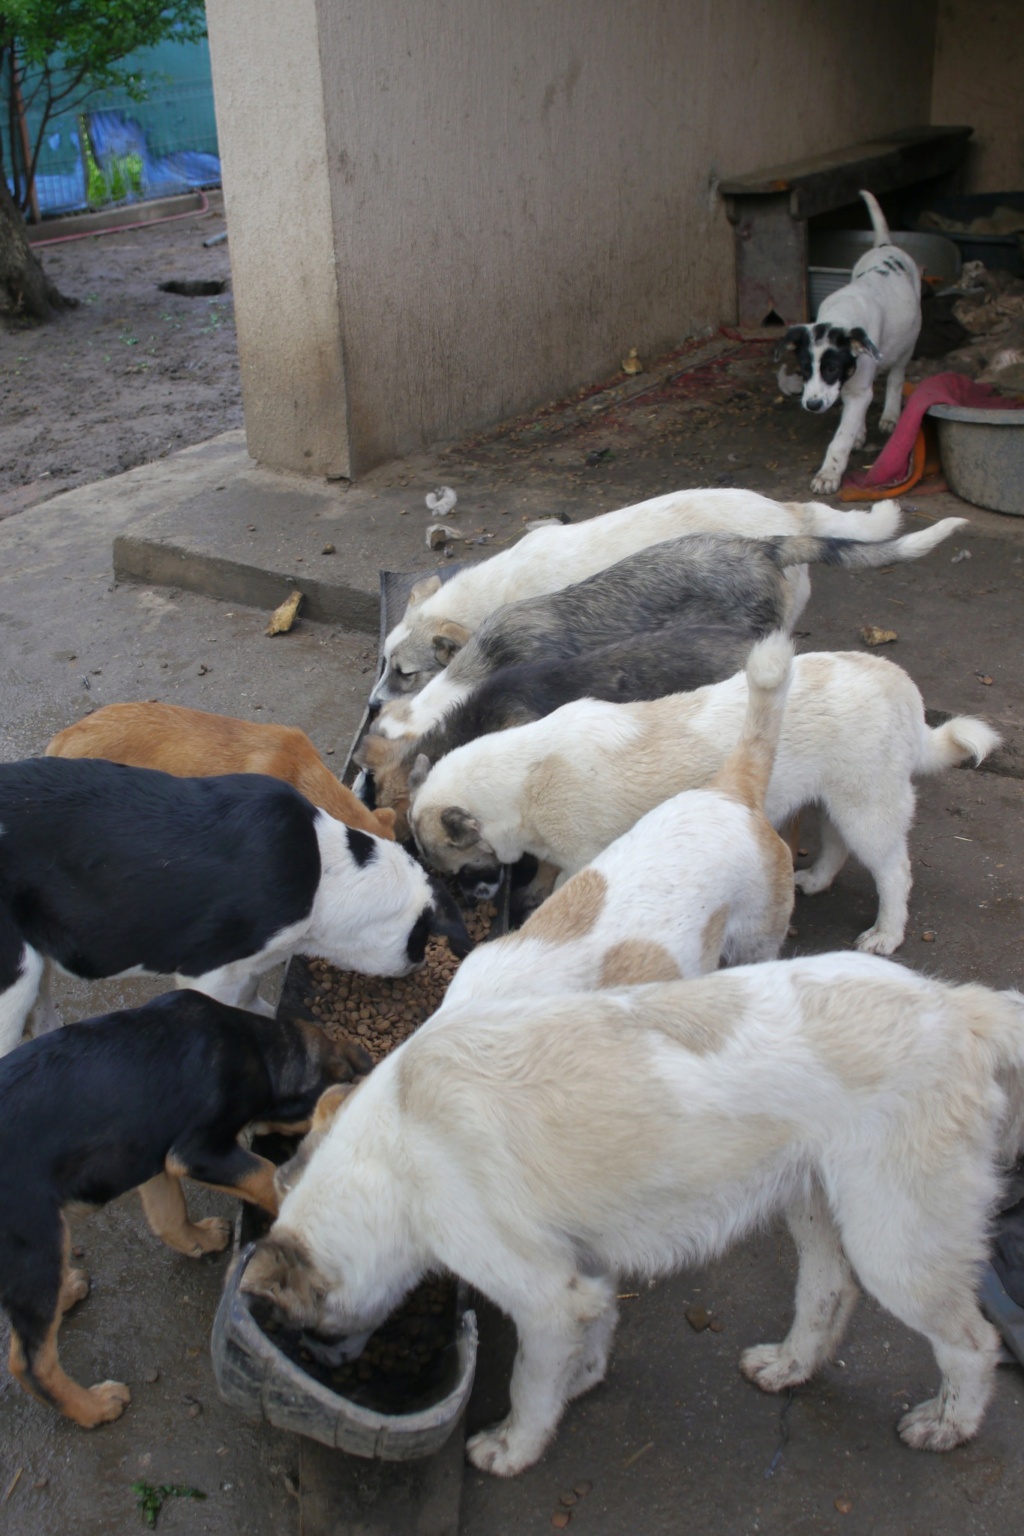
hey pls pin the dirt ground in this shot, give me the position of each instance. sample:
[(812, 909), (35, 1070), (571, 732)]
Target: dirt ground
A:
[(131, 374), (675, 1439)]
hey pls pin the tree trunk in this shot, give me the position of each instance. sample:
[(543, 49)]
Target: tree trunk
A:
[(25, 290)]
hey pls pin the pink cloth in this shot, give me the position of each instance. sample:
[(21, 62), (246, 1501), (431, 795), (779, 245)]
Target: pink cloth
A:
[(894, 463)]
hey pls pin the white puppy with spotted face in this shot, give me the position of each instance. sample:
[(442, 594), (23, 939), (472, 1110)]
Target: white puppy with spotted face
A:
[(700, 879), (868, 327), (545, 1149)]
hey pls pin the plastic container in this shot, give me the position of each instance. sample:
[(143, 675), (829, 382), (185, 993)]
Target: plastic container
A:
[(253, 1374), (983, 455), (835, 252)]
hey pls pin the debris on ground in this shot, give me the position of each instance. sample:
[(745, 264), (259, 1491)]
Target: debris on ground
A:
[(872, 635), (631, 362), (439, 534), (283, 617), (442, 501), (988, 308)]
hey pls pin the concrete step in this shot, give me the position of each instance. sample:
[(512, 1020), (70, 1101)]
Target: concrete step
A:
[(253, 537)]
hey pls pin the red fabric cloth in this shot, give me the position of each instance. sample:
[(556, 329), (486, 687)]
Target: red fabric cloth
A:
[(894, 463)]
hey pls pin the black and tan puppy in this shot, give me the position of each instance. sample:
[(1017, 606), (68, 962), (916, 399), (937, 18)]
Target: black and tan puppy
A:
[(137, 1099)]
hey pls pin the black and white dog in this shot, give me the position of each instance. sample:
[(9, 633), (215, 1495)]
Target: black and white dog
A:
[(868, 327), (107, 870)]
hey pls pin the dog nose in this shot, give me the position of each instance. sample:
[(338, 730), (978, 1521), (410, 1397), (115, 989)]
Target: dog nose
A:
[(814, 404)]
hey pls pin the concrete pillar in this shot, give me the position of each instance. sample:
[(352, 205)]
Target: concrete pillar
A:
[(271, 129)]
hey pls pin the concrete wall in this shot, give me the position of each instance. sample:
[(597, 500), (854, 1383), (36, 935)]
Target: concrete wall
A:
[(518, 190), (979, 79), (277, 197)]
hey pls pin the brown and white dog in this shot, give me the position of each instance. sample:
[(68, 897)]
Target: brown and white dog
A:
[(701, 878), (191, 743), (544, 1149), (563, 788)]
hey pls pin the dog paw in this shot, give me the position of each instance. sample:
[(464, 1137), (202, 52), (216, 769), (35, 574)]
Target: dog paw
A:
[(810, 883), (771, 1367), (210, 1235), (879, 941), (499, 1451), (75, 1288), (825, 483), (931, 1427), (859, 441), (887, 425), (109, 1401)]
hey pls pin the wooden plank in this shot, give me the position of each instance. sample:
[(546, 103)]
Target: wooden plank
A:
[(343, 1495), (783, 178)]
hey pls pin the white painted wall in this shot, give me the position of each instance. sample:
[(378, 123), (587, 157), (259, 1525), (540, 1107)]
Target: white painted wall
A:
[(520, 190)]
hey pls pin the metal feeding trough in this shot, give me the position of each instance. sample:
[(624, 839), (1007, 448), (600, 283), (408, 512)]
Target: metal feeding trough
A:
[(257, 1371)]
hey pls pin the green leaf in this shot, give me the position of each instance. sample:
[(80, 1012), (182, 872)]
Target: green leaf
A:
[(152, 1498)]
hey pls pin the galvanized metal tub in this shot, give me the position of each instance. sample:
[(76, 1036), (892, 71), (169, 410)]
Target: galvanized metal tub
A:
[(983, 455)]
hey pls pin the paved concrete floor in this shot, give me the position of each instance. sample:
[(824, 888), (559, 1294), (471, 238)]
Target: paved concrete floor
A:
[(675, 1440)]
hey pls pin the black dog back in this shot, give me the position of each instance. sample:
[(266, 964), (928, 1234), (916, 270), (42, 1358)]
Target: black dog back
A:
[(105, 868)]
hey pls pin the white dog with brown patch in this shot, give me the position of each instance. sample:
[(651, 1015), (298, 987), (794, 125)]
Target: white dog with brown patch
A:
[(563, 788), (544, 1149), (702, 878)]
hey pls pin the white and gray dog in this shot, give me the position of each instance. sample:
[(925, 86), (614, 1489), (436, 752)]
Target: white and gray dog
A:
[(870, 326)]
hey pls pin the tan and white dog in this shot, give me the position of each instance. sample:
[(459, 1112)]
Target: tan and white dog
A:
[(702, 878), (440, 617), (543, 1149), (563, 788)]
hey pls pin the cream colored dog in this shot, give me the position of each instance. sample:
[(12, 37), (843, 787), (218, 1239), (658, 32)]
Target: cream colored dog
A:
[(544, 1149), (701, 878), (564, 787)]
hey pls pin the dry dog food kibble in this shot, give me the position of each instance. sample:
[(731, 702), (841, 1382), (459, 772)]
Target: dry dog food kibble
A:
[(409, 1362), (382, 1011)]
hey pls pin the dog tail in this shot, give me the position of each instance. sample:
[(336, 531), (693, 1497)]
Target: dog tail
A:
[(961, 739), (745, 773), (878, 222), (854, 554), (881, 522)]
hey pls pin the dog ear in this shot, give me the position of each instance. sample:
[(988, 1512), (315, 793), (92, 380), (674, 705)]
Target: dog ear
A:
[(386, 820), (461, 826), (424, 588), (860, 342), (282, 1271), (331, 1100), (791, 339), (449, 637), (375, 752), (448, 922), (418, 774)]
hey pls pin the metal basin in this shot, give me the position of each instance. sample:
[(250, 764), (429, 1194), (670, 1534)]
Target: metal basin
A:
[(983, 455)]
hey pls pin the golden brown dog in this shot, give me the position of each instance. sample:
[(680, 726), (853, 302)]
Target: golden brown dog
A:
[(191, 743)]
